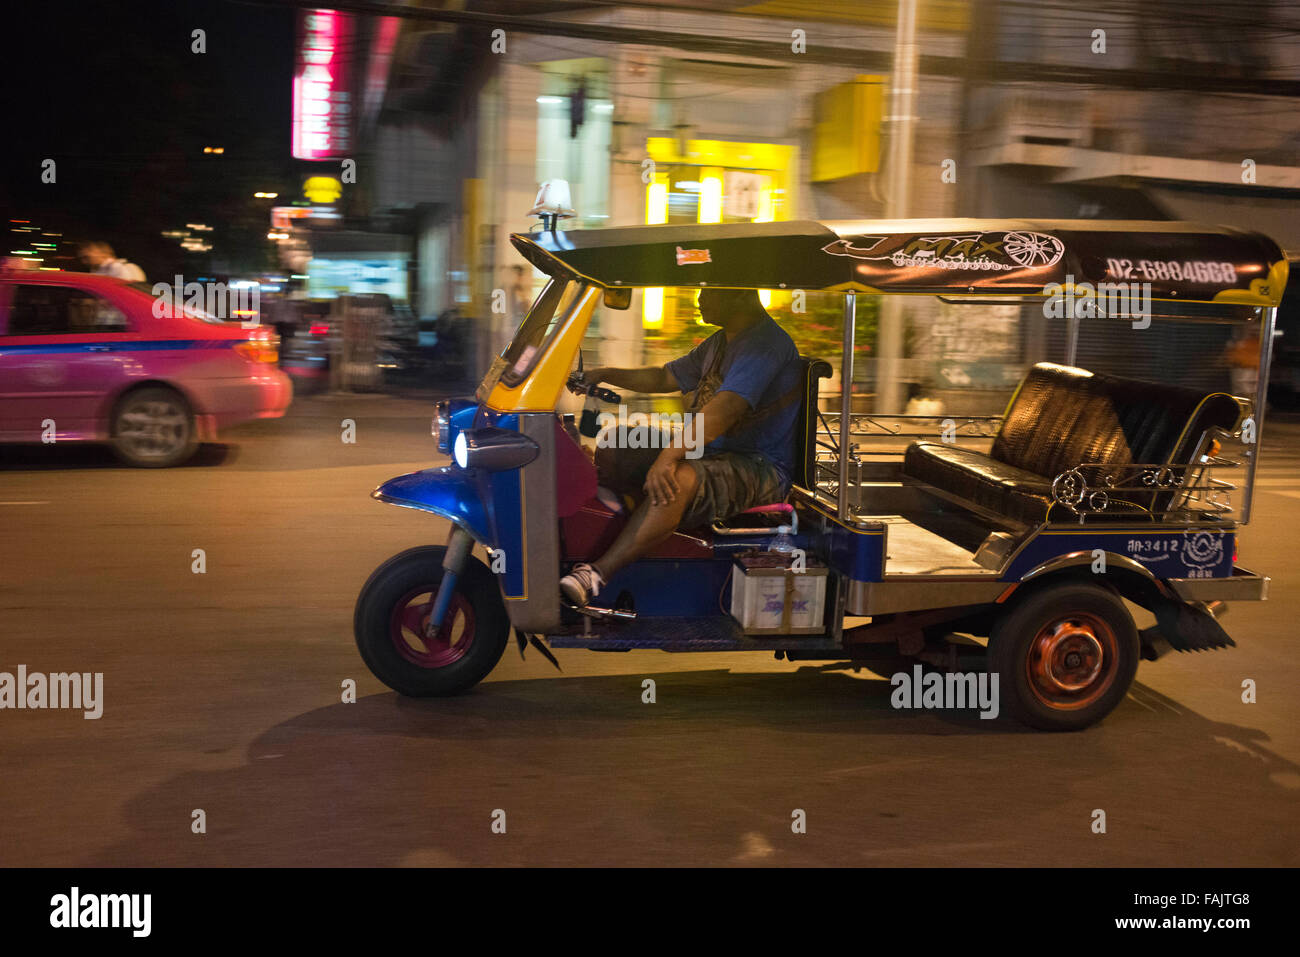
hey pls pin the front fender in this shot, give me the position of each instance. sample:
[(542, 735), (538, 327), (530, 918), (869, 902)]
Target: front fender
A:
[(450, 492)]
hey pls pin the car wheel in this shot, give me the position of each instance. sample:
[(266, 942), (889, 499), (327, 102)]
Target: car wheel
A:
[(1065, 655), (393, 609), (153, 428)]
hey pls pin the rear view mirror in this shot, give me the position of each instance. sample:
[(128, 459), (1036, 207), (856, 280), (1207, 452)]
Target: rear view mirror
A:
[(618, 298)]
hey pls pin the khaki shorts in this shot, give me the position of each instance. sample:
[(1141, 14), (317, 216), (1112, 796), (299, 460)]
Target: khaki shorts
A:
[(729, 482)]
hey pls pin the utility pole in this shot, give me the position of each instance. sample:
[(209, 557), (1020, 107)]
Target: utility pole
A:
[(898, 184)]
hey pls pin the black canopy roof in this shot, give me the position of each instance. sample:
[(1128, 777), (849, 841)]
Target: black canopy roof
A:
[(953, 257)]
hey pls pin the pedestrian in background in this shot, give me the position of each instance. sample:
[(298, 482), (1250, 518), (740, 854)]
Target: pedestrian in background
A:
[(520, 290), (101, 259), (1243, 362)]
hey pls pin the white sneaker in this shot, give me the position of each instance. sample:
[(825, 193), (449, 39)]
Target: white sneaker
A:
[(582, 584)]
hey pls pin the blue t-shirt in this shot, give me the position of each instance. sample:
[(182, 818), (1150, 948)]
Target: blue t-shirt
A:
[(761, 366)]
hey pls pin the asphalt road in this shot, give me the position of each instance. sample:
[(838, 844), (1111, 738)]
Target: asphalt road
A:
[(222, 692)]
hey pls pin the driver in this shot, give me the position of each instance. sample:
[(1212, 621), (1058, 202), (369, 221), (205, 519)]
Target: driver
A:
[(744, 381)]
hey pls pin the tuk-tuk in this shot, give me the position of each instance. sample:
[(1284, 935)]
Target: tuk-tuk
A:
[(1031, 529)]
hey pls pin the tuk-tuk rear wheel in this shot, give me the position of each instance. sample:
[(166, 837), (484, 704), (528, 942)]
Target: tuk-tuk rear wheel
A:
[(393, 610), (1065, 655)]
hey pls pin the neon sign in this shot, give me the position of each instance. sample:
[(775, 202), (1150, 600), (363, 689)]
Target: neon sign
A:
[(322, 102)]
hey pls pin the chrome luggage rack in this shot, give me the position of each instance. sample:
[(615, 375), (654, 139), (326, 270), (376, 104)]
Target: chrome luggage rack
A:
[(1090, 491), (869, 424), (865, 426), (1099, 489)]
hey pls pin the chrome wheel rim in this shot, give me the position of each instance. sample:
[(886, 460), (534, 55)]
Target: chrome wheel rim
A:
[(153, 428)]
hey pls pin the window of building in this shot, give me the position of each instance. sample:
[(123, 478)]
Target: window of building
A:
[(711, 181), (574, 120)]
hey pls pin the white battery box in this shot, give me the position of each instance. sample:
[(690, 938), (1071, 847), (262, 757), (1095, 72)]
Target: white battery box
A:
[(769, 598)]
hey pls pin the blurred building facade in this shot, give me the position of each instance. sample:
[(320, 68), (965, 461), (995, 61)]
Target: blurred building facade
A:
[(779, 110)]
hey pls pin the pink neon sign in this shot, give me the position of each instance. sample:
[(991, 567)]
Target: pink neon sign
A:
[(322, 102)]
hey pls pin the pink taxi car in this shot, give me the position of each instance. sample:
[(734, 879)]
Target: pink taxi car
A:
[(86, 358)]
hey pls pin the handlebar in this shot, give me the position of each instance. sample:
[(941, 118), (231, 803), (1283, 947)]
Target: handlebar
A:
[(578, 386)]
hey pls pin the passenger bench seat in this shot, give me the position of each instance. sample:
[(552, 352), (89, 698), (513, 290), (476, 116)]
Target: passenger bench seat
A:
[(1059, 418)]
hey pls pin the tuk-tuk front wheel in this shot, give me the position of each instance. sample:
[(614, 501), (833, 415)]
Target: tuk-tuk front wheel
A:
[(1065, 655), (392, 614)]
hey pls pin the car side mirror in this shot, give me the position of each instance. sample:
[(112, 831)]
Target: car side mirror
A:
[(618, 298)]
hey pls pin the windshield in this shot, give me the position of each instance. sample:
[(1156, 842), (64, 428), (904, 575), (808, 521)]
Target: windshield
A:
[(533, 336)]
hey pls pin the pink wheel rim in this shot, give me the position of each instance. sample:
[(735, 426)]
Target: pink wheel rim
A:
[(449, 645)]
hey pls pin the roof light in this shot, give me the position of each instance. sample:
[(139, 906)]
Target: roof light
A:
[(553, 202)]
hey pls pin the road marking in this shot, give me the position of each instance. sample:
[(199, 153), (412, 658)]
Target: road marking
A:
[(1238, 746), (941, 849), (755, 847), (1287, 779), (1138, 701)]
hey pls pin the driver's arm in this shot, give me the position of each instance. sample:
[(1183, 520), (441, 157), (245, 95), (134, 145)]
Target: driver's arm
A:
[(719, 414), (649, 379)]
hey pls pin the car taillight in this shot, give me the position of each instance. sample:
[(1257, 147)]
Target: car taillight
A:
[(319, 329), (260, 350)]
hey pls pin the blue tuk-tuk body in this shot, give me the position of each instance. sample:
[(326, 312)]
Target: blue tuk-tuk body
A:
[(1030, 529)]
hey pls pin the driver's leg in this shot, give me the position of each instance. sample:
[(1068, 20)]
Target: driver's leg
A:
[(648, 525)]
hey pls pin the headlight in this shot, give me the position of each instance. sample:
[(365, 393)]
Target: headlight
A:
[(493, 449)]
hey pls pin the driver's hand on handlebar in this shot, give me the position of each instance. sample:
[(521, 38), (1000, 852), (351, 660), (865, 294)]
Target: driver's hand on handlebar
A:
[(586, 384)]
